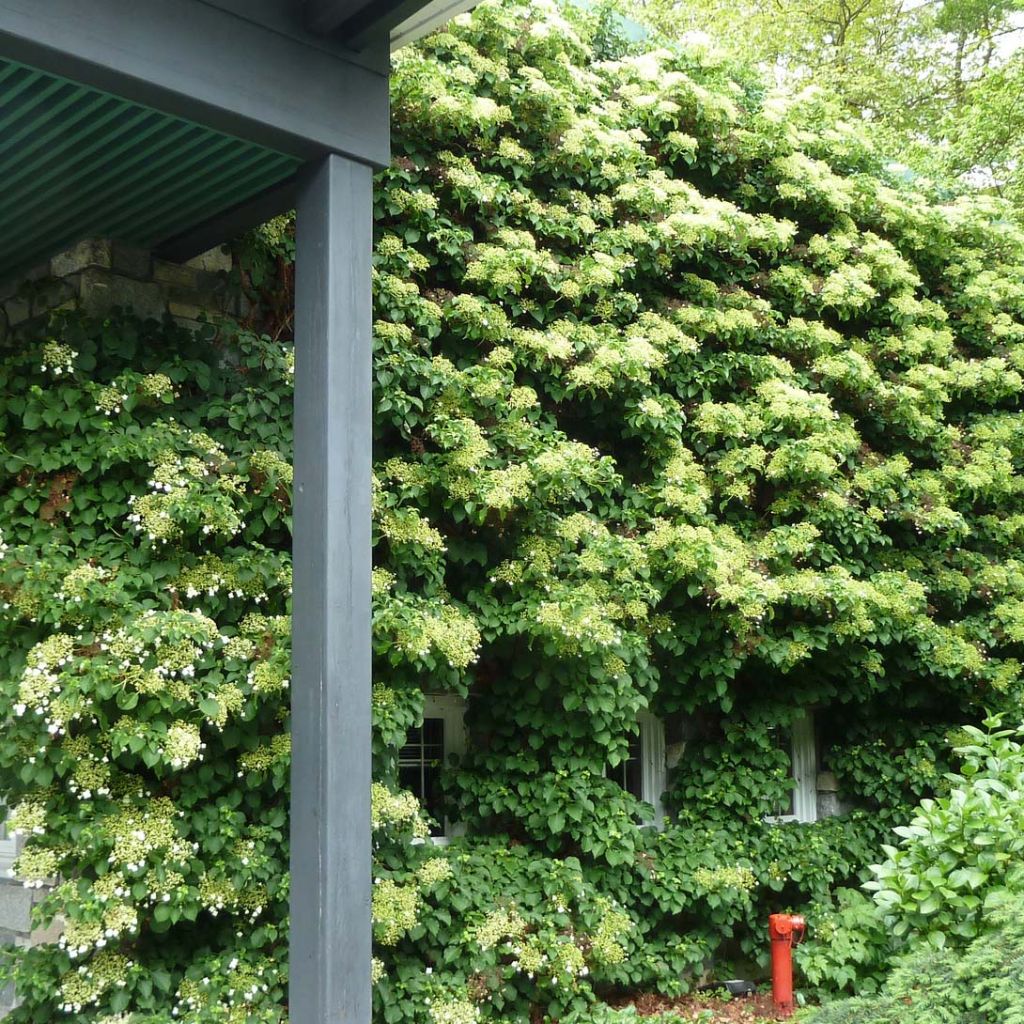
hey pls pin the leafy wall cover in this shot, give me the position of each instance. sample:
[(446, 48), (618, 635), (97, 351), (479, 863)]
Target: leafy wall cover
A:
[(685, 402)]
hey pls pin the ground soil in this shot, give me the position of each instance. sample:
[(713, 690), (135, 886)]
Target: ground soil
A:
[(695, 1008)]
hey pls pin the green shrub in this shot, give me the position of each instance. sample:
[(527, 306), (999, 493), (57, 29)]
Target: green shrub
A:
[(145, 664), (959, 849), (892, 765), (848, 948), (980, 984), (960, 852)]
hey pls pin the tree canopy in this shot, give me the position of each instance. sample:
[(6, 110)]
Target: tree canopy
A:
[(937, 83)]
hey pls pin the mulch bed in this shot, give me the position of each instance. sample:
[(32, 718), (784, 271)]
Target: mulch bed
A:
[(695, 1008)]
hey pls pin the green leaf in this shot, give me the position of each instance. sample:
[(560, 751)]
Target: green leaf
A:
[(210, 708)]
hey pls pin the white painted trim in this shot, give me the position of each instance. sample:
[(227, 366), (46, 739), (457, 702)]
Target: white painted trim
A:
[(426, 19), (8, 846), (803, 770), (451, 709)]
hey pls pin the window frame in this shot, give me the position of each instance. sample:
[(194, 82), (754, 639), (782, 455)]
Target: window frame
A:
[(451, 709), (653, 767), (804, 760), (803, 770)]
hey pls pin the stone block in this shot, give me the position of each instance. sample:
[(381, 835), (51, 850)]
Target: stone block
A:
[(187, 310), (674, 754), (94, 252), (130, 261), (50, 934), (36, 299), (213, 286), (176, 274), (101, 292), (52, 293), (15, 907), (187, 324), (827, 783), (831, 805), (12, 286), (8, 999), (99, 275), (17, 310), (203, 287), (214, 261)]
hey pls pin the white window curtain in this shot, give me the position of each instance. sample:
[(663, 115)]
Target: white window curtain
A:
[(652, 750), (805, 768)]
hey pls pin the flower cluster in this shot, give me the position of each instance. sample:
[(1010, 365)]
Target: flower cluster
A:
[(138, 835), (453, 1010), (36, 866), (607, 938), (58, 359), (264, 757), (716, 879), (86, 984), (395, 910), (498, 925)]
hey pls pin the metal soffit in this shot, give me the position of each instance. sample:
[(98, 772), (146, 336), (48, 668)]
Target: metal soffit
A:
[(77, 162)]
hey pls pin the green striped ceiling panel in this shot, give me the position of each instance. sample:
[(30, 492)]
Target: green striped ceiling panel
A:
[(78, 163)]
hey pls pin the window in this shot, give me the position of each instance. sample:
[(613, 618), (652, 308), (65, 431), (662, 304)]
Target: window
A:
[(427, 751), (803, 761), (643, 772), (629, 774)]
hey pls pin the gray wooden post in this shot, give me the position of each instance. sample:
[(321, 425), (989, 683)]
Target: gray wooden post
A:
[(330, 787)]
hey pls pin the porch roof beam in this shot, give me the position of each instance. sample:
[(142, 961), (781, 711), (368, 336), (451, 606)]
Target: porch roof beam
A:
[(327, 16), (358, 22), (208, 64), (230, 223)]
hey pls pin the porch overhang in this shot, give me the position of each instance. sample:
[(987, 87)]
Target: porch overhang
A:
[(148, 119)]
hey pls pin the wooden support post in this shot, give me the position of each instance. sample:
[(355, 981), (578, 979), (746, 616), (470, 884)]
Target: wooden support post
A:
[(330, 781)]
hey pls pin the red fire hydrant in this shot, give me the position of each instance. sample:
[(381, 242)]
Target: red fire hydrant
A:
[(786, 931)]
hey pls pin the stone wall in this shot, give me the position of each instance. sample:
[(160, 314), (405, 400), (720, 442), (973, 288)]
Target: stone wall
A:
[(16, 927), (97, 276), (830, 800)]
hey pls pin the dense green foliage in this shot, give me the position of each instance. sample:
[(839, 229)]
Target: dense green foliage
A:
[(681, 405), (145, 663)]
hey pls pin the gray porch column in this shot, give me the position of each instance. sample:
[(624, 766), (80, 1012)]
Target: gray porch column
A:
[(330, 797)]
